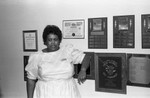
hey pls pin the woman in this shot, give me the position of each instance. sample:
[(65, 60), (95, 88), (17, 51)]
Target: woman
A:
[(50, 71)]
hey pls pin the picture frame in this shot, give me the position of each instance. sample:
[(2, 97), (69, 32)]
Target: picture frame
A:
[(138, 70), (145, 30), (124, 31), (97, 33), (90, 71), (110, 72), (25, 60), (30, 41), (73, 29)]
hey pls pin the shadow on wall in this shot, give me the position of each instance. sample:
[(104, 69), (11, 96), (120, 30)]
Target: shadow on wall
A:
[(0, 93)]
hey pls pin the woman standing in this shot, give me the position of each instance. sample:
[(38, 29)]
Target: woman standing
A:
[(50, 71)]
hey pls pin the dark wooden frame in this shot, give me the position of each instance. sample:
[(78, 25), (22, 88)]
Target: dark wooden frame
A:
[(25, 60), (34, 38), (130, 82), (90, 71), (113, 80)]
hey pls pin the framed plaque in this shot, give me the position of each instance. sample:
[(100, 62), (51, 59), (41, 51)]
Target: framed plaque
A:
[(110, 72), (90, 71), (97, 33), (138, 70), (73, 29), (146, 31), (30, 40), (25, 58), (123, 31)]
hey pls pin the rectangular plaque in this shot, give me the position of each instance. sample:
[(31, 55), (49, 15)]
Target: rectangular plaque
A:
[(146, 31), (97, 33), (25, 58), (123, 31), (110, 72), (90, 71), (138, 70)]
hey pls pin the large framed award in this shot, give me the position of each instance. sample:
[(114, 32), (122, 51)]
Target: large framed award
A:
[(145, 31), (138, 66), (90, 71), (123, 31), (97, 33), (110, 72)]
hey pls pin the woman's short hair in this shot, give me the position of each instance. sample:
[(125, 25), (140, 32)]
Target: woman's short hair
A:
[(51, 29)]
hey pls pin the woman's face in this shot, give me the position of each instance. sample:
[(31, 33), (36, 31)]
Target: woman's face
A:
[(52, 43)]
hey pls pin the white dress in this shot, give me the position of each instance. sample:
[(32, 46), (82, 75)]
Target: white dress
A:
[(54, 71)]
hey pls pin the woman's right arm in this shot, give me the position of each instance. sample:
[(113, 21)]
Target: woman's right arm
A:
[(30, 87)]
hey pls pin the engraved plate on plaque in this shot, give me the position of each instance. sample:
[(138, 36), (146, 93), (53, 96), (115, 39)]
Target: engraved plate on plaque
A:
[(110, 72), (123, 31)]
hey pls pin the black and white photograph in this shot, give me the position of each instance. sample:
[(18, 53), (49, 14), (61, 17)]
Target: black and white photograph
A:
[(74, 48)]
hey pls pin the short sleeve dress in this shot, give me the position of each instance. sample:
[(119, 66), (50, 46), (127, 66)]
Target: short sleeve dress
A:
[(54, 71)]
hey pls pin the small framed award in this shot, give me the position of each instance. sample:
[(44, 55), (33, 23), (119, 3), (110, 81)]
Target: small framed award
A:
[(138, 70), (110, 72), (73, 29), (30, 40), (90, 72)]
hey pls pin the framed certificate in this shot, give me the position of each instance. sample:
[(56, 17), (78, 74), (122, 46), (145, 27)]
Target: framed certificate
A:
[(90, 71), (110, 72), (30, 40), (73, 29), (138, 70)]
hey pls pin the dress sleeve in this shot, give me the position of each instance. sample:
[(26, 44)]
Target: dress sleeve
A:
[(31, 67), (77, 55)]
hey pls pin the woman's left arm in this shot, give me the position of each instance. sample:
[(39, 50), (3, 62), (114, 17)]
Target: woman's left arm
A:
[(84, 67)]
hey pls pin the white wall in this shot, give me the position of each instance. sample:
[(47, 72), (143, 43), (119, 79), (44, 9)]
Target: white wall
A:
[(19, 15)]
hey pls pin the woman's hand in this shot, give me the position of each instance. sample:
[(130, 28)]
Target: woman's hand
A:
[(82, 76)]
